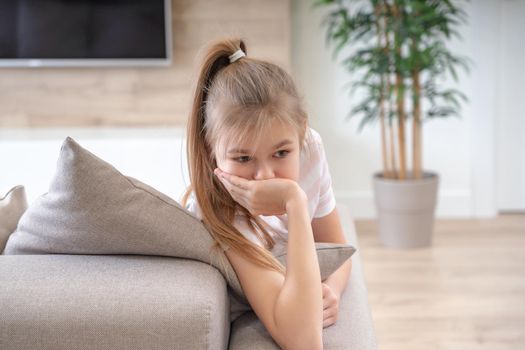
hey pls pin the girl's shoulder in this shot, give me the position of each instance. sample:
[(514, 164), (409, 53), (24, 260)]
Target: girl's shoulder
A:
[(313, 146)]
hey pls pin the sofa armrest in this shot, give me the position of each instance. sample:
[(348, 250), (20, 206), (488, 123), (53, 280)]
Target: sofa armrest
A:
[(58, 301)]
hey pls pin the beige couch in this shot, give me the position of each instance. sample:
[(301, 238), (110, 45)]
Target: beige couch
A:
[(60, 301)]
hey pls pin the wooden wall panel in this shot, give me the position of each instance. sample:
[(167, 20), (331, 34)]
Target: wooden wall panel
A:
[(87, 97)]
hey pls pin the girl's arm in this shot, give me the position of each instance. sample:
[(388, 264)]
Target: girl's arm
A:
[(299, 305), (290, 306)]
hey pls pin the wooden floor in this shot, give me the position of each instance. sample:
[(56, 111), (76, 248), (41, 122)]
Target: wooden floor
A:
[(465, 292)]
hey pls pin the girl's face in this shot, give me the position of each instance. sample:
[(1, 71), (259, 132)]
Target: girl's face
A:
[(277, 156)]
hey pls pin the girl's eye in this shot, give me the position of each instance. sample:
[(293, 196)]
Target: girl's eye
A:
[(283, 154), (244, 159), (240, 159)]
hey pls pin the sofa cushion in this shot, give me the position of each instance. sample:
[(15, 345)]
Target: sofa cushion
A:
[(56, 301), (91, 208)]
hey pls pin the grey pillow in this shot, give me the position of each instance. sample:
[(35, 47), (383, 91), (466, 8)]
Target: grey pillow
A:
[(329, 255), (92, 208), (12, 206)]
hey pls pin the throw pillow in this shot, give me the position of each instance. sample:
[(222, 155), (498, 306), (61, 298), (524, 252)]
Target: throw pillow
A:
[(329, 255), (12, 206)]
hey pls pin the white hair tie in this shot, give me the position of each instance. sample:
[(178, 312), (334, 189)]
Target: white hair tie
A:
[(236, 55)]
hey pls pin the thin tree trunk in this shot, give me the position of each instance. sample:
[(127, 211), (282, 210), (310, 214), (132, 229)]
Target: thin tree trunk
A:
[(416, 128), (400, 101), (386, 166), (416, 122), (392, 126), (391, 130)]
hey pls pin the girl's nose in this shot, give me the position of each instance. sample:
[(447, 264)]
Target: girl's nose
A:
[(264, 172)]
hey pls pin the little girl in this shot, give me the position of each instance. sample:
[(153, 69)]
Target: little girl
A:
[(258, 179)]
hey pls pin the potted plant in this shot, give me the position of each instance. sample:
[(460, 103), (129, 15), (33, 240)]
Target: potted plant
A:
[(398, 48)]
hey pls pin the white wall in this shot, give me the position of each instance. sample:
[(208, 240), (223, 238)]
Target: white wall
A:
[(510, 121), (462, 150), (156, 156)]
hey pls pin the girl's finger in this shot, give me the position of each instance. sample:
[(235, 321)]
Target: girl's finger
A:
[(235, 180), (328, 322), (235, 192), (229, 186), (231, 189), (236, 186), (329, 312), (325, 289), (226, 185)]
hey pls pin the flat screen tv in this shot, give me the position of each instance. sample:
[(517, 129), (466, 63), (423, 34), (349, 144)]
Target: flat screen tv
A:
[(63, 33)]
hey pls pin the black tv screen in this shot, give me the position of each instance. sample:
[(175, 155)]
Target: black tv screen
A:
[(84, 32)]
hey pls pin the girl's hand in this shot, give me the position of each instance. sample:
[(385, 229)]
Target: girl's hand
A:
[(260, 197), (330, 305)]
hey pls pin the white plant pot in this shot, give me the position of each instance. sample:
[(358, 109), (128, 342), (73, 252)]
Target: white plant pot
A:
[(405, 209)]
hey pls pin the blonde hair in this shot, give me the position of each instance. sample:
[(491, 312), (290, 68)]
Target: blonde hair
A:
[(235, 101)]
